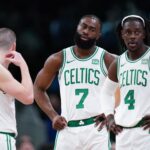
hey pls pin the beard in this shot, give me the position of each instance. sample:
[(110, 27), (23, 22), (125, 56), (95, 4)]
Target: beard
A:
[(82, 43)]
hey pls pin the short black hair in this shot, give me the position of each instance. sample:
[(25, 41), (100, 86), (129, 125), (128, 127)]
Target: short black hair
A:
[(92, 16)]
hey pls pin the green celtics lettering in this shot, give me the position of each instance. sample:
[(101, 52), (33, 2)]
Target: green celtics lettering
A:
[(134, 77), (81, 75)]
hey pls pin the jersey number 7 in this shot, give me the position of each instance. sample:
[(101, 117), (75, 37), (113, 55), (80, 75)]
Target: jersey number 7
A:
[(84, 93)]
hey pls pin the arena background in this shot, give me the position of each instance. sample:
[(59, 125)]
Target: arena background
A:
[(45, 27)]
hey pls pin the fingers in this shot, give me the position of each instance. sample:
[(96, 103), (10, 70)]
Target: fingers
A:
[(59, 123), (147, 117), (15, 58), (146, 122), (101, 126), (9, 55), (10, 59), (97, 122), (116, 129), (58, 126), (64, 121), (100, 121), (146, 127), (12, 54)]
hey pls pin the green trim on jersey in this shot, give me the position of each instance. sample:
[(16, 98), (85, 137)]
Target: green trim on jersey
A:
[(55, 143), (8, 140), (83, 59), (63, 63), (102, 64), (118, 67), (134, 61)]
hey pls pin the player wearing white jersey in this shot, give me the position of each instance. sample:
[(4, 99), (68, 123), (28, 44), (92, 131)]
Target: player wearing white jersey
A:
[(131, 70), (11, 89), (82, 70), (134, 78), (80, 85)]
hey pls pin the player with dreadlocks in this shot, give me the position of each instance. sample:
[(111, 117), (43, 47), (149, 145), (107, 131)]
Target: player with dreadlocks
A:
[(131, 71)]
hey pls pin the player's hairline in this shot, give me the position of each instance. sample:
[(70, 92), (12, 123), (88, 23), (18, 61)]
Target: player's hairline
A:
[(132, 16), (91, 16)]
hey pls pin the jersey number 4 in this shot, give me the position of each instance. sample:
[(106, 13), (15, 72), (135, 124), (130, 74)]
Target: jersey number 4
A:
[(129, 99), (84, 93)]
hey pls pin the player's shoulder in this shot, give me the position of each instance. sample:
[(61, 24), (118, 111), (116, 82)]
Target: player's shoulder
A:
[(54, 60), (110, 56), (55, 56)]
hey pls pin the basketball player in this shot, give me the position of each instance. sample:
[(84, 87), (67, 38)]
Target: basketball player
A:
[(131, 70), (11, 89), (82, 70)]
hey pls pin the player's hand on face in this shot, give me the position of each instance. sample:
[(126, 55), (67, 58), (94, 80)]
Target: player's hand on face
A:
[(59, 122), (100, 121), (111, 125), (146, 124), (15, 58)]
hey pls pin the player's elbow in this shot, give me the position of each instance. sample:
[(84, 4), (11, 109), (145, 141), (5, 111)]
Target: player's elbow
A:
[(28, 100)]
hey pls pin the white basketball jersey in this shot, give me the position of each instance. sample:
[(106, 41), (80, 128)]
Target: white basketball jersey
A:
[(134, 81), (80, 83), (7, 113)]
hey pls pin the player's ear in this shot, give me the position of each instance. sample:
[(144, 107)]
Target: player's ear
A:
[(144, 34), (13, 47), (122, 34), (98, 36)]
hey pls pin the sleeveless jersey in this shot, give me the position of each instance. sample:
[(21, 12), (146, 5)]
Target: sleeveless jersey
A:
[(7, 113), (134, 81), (80, 83)]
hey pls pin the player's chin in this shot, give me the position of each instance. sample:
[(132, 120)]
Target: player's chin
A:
[(132, 49)]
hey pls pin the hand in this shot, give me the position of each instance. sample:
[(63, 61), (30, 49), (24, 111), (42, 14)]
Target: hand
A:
[(59, 122), (15, 58), (111, 125), (100, 121), (146, 124)]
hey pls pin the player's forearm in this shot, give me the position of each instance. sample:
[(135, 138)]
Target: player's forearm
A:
[(44, 103), (107, 104), (107, 96), (27, 83)]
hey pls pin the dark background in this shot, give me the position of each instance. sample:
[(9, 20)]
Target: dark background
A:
[(45, 27)]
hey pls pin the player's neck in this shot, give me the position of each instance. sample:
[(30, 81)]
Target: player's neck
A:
[(83, 53), (138, 53)]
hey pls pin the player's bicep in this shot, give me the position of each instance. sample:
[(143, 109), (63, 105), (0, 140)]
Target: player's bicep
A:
[(109, 58), (48, 72), (43, 79), (112, 72), (117, 97)]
